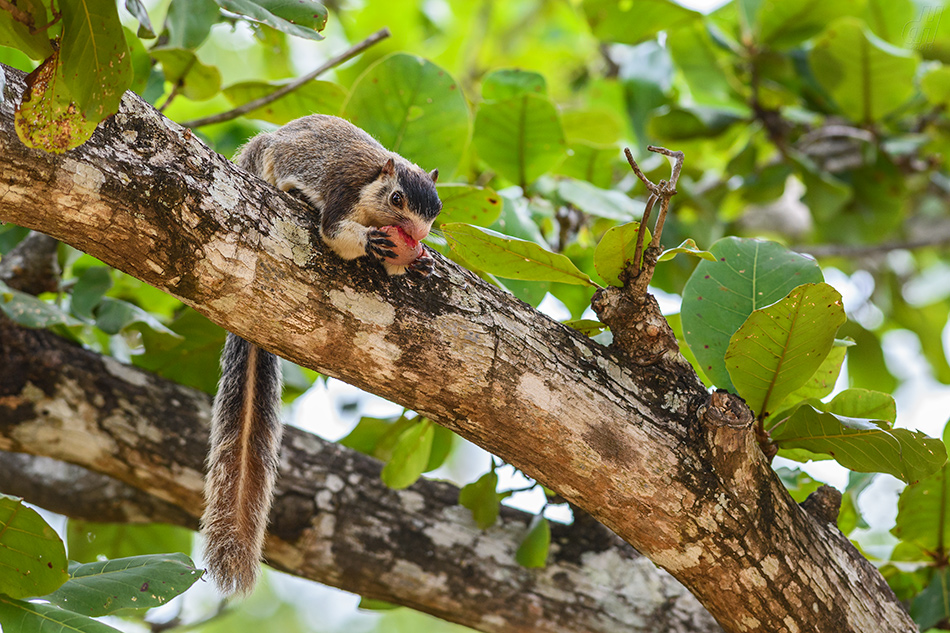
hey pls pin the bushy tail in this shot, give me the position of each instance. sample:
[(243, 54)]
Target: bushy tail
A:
[(242, 464)]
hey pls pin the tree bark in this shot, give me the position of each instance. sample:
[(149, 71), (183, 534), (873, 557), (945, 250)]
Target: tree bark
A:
[(333, 519), (643, 448)]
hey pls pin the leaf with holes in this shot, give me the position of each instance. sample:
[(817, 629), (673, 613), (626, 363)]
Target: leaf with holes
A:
[(480, 206), (861, 444), (104, 587), (781, 346), (509, 257), (32, 556), (719, 296), (414, 108)]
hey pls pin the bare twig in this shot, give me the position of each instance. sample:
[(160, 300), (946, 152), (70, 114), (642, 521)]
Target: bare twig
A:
[(18, 14), (351, 52), (662, 191), (870, 250)]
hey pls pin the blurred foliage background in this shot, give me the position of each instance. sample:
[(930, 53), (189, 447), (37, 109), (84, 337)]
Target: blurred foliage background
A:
[(820, 125)]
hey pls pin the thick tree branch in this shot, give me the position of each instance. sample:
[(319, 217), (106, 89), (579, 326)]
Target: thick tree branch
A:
[(333, 521), (643, 449)]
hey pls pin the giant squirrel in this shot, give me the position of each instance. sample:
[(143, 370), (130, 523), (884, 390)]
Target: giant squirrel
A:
[(371, 202)]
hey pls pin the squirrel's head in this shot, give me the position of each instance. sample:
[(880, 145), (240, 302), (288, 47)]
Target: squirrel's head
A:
[(408, 197)]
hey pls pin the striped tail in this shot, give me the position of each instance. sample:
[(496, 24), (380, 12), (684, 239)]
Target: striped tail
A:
[(242, 464)]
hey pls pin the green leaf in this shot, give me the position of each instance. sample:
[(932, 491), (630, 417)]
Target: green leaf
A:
[(602, 203), (708, 75), (521, 138), (469, 204), (303, 18), (823, 380), (18, 616), (89, 290), (47, 117), (782, 24), (587, 327), (115, 317), (866, 366), (533, 551), (197, 81), (189, 22), (32, 556), (87, 541), (867, 77), (798, 483), (314, 97), (682, 124), (406, 103), (616, 250), (97, 67), (29, 311), (140, 13), (936, 85), (510, 257), (932, 605), (781, 346), (104, 587), (368, 604), (366, 435), (630, 22), (410, 456), (191, 360), (719, 296), (863, 403), (687, 246), (595, 127), (861, 444), (481, 498), (16, 34), (442, 442), (506, 83), (923, 511), (890, 19)]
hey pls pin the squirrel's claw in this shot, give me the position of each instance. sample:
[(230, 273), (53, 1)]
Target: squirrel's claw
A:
[(422, 266)]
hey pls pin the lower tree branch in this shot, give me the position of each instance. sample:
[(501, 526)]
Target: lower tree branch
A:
[(333, 521), (643, 449)]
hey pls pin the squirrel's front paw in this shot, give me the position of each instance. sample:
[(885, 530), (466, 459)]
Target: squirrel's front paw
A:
[(423, 265), (393, 246)]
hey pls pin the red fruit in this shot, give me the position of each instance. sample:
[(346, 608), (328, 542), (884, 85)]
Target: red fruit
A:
[(406, 249)]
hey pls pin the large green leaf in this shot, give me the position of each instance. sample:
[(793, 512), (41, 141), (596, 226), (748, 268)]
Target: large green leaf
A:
[(511, 257), (303, 18), (480, 206), (932, 605), (104, 587), (189, 22), (923, 511), (32, 556), (314, 97), (862, 444), (632, 22), (97, 66), (867, 77), (32, 617), (88, 291), (720, 295), (414, 108), (708, 74), (822, 382), (506, 83), (410, 455), (781, 346), (521, 138)]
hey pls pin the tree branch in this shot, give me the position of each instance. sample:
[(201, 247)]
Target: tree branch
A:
[(644, 449), (333, 521)]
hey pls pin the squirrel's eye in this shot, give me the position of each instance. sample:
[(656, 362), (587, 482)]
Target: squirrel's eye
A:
[(396, 198)]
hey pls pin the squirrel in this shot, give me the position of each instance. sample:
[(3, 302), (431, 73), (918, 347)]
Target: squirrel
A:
[(372, 202)]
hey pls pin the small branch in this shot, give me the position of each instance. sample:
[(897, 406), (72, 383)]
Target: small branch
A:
[(18, 14), (870, 250), (351, 52)]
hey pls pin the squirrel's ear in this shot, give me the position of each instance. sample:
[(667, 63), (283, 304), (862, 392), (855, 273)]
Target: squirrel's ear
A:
[(389, 168), (434, 175)]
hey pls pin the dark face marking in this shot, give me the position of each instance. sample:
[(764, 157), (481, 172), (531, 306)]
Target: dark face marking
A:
[(419, 190)]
